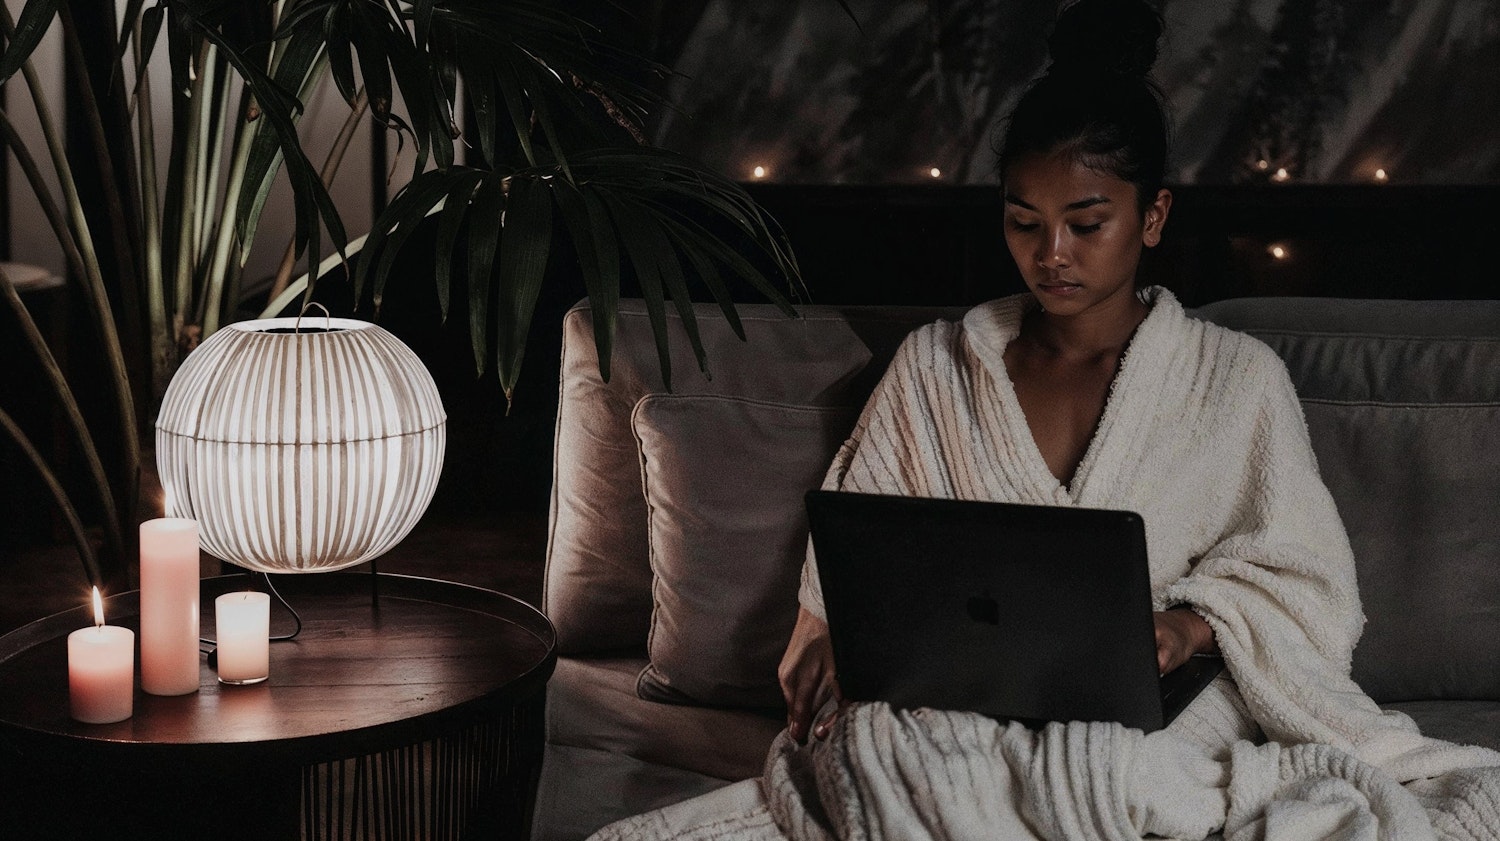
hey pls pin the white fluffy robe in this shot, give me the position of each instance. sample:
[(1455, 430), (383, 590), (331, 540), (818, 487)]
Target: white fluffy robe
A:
[(1204, 437)]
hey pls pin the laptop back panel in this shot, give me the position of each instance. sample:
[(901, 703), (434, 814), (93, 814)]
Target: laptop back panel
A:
[(1019, 612)]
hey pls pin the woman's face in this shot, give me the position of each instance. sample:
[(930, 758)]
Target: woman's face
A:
[(1076, 233)]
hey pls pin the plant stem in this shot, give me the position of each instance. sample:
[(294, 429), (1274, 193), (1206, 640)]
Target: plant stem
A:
[(112, 531), (219, 267), (98, 296), (60, 496), (183, 303), (122, 227), (163, 344)]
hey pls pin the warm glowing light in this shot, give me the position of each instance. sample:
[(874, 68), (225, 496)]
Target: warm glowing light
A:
[(935, 172), (760, 172), (98, 609), (1262, 164), (1281, 175), (1381, 176), (1279, 252)]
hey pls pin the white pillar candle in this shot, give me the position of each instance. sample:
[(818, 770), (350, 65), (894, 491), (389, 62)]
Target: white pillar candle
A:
[(169, 606), (101, 671), (243, 622)]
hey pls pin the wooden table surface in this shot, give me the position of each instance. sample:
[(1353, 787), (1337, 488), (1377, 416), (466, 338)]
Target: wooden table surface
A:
[(411, 661), (363, 668)]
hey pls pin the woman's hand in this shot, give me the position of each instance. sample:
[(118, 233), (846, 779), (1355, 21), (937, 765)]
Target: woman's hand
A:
[(806, 674), (1181, 633)]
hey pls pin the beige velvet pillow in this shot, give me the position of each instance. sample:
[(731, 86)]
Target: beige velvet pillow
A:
[(724, 479)]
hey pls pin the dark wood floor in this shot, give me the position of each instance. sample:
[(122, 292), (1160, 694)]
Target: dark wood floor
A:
[(501, 551)]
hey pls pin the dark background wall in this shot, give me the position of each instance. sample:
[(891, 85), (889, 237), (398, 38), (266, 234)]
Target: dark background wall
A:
[(849, 120)]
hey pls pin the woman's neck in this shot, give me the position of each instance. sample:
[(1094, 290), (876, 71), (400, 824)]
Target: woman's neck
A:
[(1100, 331)]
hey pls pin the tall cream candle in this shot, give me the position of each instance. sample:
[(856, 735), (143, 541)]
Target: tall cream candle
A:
[(243, 622), (101, 671), (169, 606)]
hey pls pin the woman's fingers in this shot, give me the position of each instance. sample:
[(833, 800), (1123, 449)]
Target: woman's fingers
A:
[(806, 673), (804, 698)]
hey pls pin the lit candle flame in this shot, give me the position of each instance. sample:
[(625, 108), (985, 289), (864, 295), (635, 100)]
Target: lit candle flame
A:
[(1380, 175), (1278, 252), (1281, 175), (760, 172), (98, 609), (935, 172)]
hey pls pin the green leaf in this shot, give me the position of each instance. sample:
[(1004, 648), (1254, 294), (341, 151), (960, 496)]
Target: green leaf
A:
[(704, 268), (370, 44), (672, 277), (524, 248), (422, 17), (310, 197), (635, 233), (122, 44), (151, 21), (484, 241), (455, 207), (515, 104), (297, 59), (340, 54), (584, 229), (543, 115), (35, 20), (396, 225)]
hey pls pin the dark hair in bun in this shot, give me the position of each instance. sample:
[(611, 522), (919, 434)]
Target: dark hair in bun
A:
[(1096, 101)]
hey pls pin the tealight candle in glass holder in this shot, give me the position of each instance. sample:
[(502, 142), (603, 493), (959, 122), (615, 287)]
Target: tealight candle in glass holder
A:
[(243, 622)]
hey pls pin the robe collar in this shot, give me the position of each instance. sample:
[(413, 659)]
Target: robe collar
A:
[(1118, 444)]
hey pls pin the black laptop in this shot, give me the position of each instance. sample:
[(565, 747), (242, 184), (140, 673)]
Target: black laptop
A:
[(1020, 612)]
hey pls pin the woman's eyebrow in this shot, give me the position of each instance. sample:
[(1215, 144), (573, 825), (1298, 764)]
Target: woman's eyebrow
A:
[(1012, 198)]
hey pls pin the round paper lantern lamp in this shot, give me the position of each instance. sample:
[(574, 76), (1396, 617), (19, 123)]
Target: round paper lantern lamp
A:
[(300, 450)]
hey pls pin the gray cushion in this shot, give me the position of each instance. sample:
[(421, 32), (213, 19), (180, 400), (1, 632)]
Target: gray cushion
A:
[(724, 480), (597, 589), (1402, 400)]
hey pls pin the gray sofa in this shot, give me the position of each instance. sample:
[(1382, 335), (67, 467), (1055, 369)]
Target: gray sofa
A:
[(677, 533)]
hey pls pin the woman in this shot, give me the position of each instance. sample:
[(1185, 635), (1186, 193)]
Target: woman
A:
[(1090, 391), (1082, 166)]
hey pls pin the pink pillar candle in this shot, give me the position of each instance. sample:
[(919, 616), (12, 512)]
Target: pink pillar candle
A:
[(169, 606), (243, 622), (101, 671)]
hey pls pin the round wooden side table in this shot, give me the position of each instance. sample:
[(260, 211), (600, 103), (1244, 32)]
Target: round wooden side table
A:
[(406, 708)]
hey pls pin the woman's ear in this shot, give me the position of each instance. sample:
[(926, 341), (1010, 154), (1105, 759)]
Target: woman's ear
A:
[(1156, 217)]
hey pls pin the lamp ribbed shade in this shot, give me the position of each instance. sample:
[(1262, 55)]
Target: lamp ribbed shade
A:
[(300, 451)]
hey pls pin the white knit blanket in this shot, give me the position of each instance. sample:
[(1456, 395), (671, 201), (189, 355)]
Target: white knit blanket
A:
[(1203, 436)]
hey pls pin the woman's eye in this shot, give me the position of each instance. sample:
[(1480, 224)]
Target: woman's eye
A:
[(1017, 225), (1087, 229)]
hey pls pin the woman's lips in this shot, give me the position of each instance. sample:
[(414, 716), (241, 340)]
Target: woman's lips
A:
[(1062, 289)]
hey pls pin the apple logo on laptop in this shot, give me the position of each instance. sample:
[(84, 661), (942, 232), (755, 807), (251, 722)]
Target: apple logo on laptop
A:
[(984, 608)]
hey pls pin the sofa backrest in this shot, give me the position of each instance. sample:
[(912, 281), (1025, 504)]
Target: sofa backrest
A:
[(1402, 400)]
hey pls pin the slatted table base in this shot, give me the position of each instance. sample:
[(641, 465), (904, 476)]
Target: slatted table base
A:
[(476, 783)]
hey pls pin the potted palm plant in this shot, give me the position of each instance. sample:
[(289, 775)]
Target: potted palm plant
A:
[(554, 113)]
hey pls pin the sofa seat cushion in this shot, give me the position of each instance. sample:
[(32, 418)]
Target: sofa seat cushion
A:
[(592, 703), (1465, 722), (583, 789)]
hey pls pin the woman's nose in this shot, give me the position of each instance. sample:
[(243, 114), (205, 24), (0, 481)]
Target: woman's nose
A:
[(1054, 250)]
